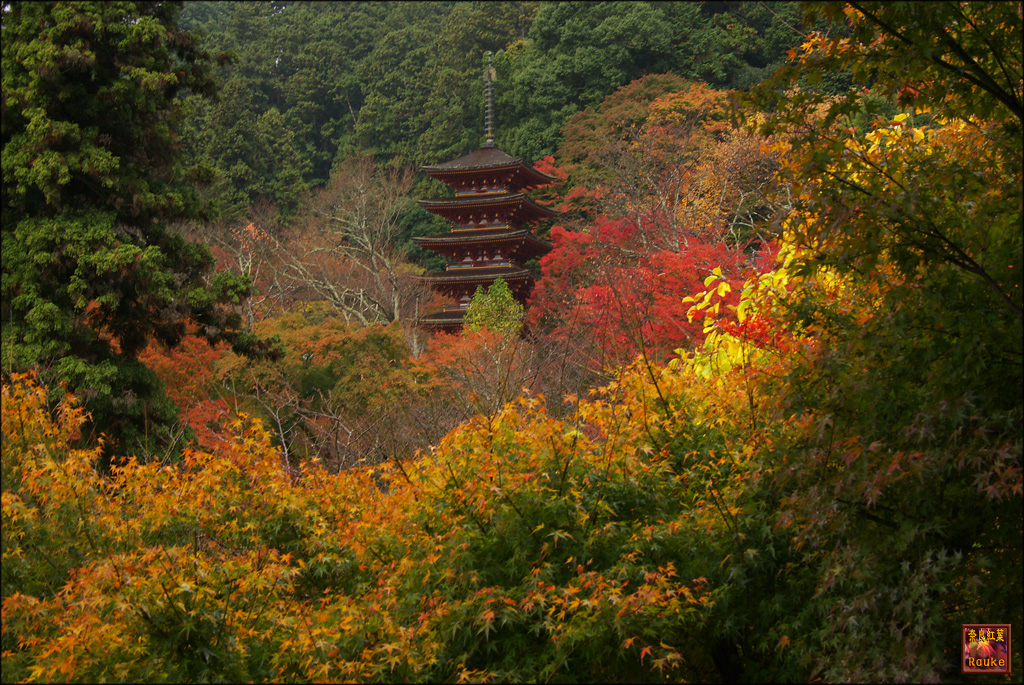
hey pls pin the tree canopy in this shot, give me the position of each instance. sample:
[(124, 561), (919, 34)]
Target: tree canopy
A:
[(495, 309), (765, 424), (404, 80), (579, 53), (92, 96)]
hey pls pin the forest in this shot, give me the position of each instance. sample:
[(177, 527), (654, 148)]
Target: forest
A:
[(759, 420)]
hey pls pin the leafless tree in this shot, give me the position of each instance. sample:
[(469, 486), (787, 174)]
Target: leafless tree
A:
[(343, 247)]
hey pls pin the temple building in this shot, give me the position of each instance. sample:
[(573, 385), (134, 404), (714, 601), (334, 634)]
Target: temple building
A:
[(491, 214)]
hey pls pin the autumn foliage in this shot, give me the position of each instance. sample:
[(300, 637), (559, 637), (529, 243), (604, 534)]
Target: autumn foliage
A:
[(230, 567), (659, 189), (670, 529), (187, 374), (624, 301), (802, 461)]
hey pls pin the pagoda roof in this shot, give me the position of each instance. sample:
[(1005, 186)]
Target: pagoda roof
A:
[(490, 158), (466, 203), (449, 318), (483, 236), (482, 274)]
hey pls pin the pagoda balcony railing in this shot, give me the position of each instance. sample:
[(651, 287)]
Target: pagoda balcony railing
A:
[(481, 228), (479, 193), (456, 308), (477, 266)]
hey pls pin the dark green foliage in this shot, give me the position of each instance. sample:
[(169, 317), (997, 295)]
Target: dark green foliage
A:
[(579, 53), (90, 275), (405, 80), (393, 79), (416, 222), (252, 153)]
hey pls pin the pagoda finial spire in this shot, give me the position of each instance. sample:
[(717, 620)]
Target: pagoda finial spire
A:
[(489, 78)]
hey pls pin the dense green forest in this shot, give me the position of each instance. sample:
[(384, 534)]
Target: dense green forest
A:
[(310, 84), (760, 420)]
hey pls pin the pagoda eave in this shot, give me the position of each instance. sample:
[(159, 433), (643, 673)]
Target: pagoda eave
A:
[(489, 159), (448, 321), (489, 164), (452, 240), (518, 207), (473, 275), (512, 178)]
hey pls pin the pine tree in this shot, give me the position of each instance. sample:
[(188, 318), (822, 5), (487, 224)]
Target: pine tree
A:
[(91, 273)]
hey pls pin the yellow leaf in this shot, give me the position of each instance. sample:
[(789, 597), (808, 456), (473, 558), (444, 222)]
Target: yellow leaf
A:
[(733, 349)]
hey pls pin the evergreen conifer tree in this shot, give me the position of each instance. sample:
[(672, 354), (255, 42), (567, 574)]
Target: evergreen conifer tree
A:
[(91, 273)]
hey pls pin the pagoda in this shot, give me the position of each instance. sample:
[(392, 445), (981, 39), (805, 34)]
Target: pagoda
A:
[(490, 215)]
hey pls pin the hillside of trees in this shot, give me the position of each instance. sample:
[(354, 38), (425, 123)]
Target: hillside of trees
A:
[(760, 420), (309, 85)]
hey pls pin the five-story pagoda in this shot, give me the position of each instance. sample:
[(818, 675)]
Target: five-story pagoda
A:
[(490, 213)]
